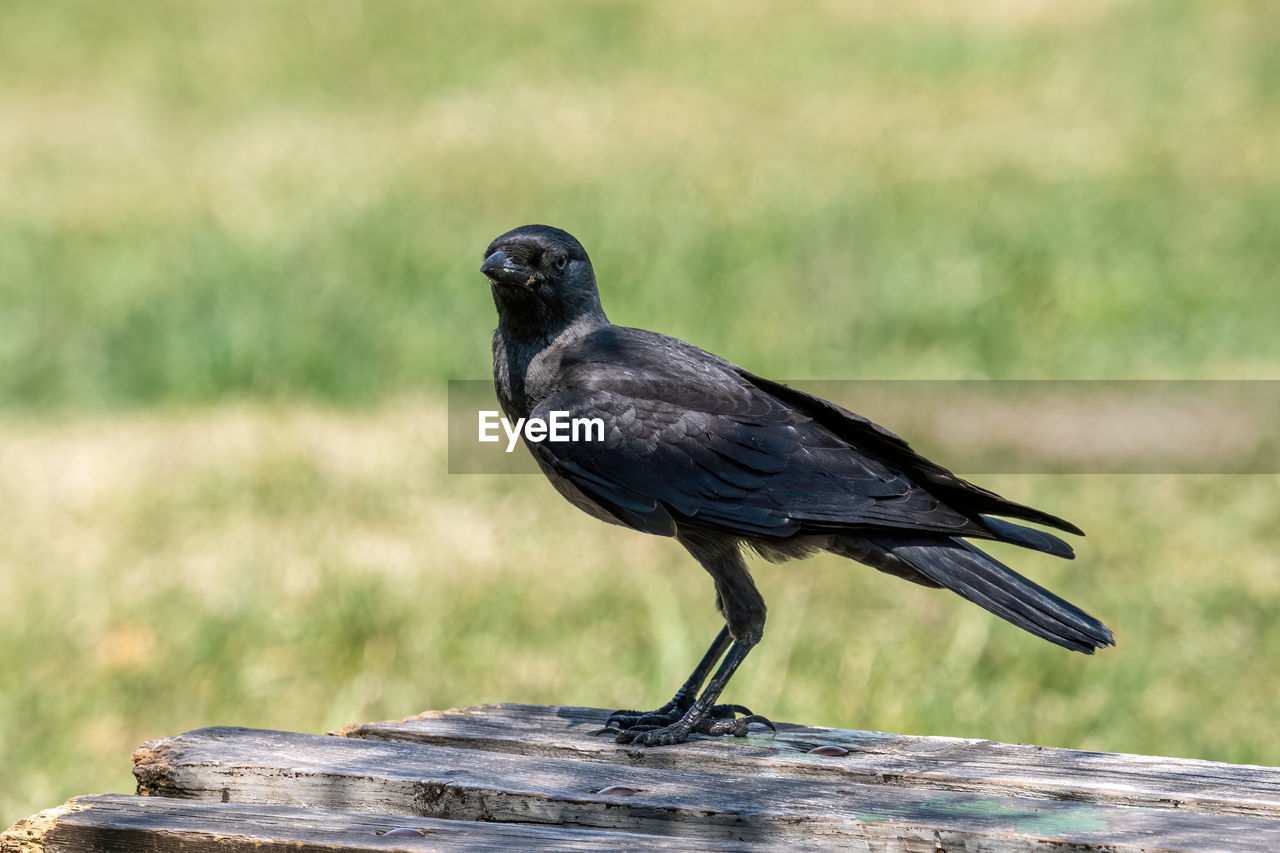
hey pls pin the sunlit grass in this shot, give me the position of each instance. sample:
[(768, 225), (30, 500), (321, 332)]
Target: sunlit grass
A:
[(238, 260), (301, 568), (204, 199)]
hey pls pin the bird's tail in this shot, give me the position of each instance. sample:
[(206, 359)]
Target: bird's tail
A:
[(984, 580)]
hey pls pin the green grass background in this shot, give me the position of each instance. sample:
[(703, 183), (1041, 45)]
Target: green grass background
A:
[(238, 260)]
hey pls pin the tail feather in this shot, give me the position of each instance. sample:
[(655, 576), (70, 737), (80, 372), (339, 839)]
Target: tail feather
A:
[(983, 501), (1028, 537), (990, 584)]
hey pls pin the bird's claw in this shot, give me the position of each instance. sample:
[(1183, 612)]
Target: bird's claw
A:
[(737, 727), (667, 714), (672, 724)]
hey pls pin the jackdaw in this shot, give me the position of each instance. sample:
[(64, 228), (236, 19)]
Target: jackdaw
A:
[(697, 448)]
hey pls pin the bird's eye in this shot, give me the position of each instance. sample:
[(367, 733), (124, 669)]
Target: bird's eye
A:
[(562, 261)]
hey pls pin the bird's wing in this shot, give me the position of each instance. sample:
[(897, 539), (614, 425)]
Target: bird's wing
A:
[(730, 457), (873, 439)]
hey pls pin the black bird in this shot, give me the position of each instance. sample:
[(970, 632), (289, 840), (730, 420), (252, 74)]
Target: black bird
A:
[(697, 448)]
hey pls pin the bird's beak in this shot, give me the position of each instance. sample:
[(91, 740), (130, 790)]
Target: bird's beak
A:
[(502, 270)]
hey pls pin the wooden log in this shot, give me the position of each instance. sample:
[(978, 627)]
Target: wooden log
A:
[(938, 763), (411, 779), (116, 822)]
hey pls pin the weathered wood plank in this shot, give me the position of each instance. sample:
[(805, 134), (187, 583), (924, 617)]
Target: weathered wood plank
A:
[(951, 764), (116, 822), (389, 777)]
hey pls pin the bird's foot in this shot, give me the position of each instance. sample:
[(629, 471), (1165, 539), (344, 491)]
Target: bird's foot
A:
[(620, 721), (675, 721)]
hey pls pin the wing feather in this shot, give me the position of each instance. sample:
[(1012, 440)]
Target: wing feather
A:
[(696, 437), (747, 477)]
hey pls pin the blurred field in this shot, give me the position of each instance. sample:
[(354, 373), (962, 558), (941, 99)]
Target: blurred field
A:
[(238, 253), (204, 198), (303, 569)]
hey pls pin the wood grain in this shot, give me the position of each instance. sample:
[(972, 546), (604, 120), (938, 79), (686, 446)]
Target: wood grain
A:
[(413, 779), (936, 763), (503, 776), (116, 822)]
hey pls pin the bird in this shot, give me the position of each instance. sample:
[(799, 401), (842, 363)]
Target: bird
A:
[(726, 462)]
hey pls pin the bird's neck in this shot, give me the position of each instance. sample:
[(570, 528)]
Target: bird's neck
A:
[(533, 323), (523, 357)]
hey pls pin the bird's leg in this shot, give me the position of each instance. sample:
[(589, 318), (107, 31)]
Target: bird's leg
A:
[(683, 700), (739, 601), (700, 716), (688, 691)]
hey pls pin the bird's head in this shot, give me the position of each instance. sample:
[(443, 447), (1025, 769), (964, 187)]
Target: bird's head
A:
[(542, 280)]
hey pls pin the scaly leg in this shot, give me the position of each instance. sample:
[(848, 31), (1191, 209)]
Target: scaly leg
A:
[(701, 717), (620, 721), (743, 609)]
